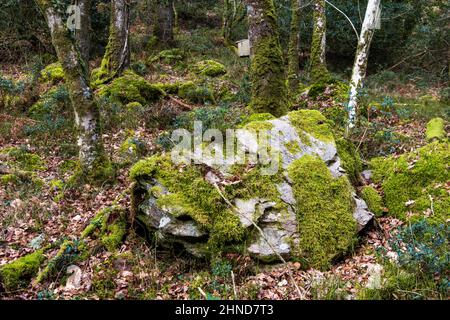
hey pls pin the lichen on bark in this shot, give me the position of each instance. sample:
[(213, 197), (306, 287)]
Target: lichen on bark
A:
[(318, 67)]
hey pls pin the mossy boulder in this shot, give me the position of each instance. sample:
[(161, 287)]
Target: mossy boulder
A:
[(52, 73), (415, 185), (22, 159), (306, 207), (195, 93), (210, 68), (18, 274), (130, 88), (435, 129)]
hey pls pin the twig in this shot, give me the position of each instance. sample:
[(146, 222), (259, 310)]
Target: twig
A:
[(234, 285), (202, 293), (181, 103), (301, 296)]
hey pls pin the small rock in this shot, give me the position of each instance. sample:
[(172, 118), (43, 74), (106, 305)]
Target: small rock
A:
[(74, 280)]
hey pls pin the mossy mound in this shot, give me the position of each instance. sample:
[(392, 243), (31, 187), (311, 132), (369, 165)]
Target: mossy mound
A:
[(18, 274), (131, 88), (414, 184), (20, 158), (52, 73), (373, 199), (210, 68), (435, 129), (324, 210), (195, 93), (329, 88)]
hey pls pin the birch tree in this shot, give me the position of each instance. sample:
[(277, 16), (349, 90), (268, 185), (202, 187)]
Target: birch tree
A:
[(117, 54), (362, 57), (294, 46), (269, 88), (92, 157), (318, 67)]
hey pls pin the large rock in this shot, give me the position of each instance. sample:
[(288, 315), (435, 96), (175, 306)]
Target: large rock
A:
[(307, 209)]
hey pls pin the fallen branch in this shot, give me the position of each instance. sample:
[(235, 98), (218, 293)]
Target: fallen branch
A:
[(300, 294), (185, 106)]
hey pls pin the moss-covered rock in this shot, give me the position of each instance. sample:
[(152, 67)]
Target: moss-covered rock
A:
[(52, 73), (210, 208), (131, 88), (324, 211), (373, 199), (210, 68), (313, 122), (18, 274), (414, 184), (435, 129), (195, 93)]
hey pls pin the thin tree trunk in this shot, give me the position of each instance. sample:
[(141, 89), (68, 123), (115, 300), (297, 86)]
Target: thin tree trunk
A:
[(269, 89), (117, 54), (87, 116), (319, 43), (294, 46), (165, 21), (82, 35), (362, 57)]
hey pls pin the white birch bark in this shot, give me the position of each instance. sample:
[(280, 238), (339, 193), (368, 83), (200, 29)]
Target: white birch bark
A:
[(361, 59)]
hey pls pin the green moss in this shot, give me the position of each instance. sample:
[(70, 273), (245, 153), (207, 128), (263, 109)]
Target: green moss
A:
[(52, 73), (435, 129), (350, 159), (21, 159), (257, 117), (312, 122), (114, 228), (210, 68), (191, 195), (167, 56), (373, 199), (19, 273), (324, 211), (410, 180), (131, 88), (194, 93), (269, 88), (293, 147), (132, 148), (169, 88)]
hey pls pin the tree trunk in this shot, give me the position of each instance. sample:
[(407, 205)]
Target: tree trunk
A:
[(117, 54), (82, 35), (294, 46), (318, 46), (361, 59), (165, 21), (269, 89), (87, 116)]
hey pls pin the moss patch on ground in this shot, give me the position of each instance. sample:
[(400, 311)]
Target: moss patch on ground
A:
[(52, 73), (131, 88), (435, 129), (414, 184), (18, 274), (324, 210)]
